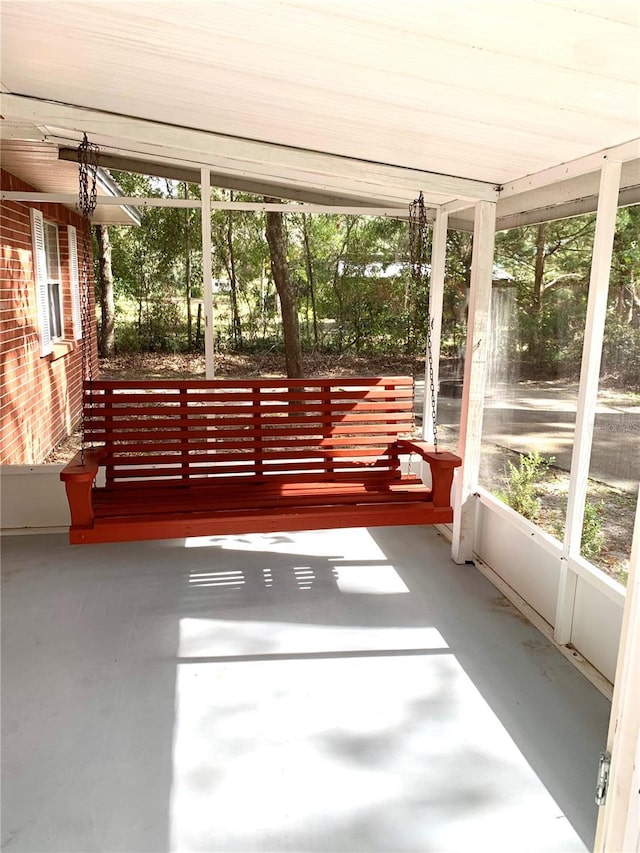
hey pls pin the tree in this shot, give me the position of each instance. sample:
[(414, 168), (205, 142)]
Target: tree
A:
[(106, 339), (621, 353), (224, 240), (231, 268), (187, 267), (287, 291), (625, 269), (311, 288), (154, 265)]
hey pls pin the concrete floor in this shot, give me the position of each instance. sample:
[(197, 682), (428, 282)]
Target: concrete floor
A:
[(330, 691)]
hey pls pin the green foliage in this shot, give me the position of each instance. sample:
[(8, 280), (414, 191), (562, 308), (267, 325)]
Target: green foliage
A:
[(550, 268), (592, 535), (240, 267), (550, 264), (521, 481), (354, 287), (157, 267), (621, 352), (160, 329)]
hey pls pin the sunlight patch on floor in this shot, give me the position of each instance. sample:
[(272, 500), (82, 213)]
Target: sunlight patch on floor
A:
[(370, 580), (369, 751), (356, 542), (203, 638), (366, 579)]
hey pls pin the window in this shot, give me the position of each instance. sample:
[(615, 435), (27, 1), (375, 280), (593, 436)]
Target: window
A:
[(49, 282), (54, 282)]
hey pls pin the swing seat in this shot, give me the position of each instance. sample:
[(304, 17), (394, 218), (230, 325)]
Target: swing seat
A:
[(210, 457)]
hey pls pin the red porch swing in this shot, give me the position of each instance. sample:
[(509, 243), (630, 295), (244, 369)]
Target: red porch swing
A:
[(209, 457)]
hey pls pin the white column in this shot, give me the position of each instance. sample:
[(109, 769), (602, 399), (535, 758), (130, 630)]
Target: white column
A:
[(475, 365), (619, 818), (436, 294), (588, 392), (207, 281)]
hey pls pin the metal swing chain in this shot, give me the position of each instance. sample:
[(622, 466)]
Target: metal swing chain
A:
[(418, 257), (87, 199)]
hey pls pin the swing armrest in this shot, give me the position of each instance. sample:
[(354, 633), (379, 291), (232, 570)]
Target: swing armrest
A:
[(442, 458), (75, 469), (78, 478), (442, 464)]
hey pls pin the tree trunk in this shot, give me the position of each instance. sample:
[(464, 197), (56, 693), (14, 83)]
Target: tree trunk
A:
[(236, 325), (286, 291), (187, 269), (199, 326), (337, 287), (539, 270), (634, 306), (310, 279), (534, 342), (106, 342), (407, 311)]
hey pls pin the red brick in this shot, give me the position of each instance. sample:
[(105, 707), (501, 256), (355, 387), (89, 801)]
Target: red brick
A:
[(38, 396)]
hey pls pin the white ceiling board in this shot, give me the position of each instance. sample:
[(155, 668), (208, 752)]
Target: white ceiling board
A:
[(476, 89), (616, 10)]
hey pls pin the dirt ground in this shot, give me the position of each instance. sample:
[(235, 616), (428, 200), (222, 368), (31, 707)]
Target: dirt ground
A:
[(265, 364), (238, 366), (617, 508)]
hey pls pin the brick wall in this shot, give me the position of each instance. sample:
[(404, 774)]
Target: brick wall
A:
[(39, 396)]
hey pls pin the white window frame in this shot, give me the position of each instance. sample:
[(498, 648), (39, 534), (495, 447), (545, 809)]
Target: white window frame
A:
[(41, 281), (54, 282), (44, 281), (74, 278)]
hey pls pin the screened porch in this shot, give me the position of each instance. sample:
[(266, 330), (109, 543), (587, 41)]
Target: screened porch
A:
[(379, 690)]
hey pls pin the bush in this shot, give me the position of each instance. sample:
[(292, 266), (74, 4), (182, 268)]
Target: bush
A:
[(592, 535), (521, 481), (162, 329)]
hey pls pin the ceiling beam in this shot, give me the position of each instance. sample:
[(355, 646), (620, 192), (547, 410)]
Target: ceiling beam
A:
[(575, 168), (192, 175), (248, 206), (243, 156), (548, 206), (341, 187), (574, 196), (580, 207), (569, 190)]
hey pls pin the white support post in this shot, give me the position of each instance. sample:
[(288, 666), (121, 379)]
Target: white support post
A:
[(475, 368), (436, 294), (588, 392), (619, 819), (207, 279)]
